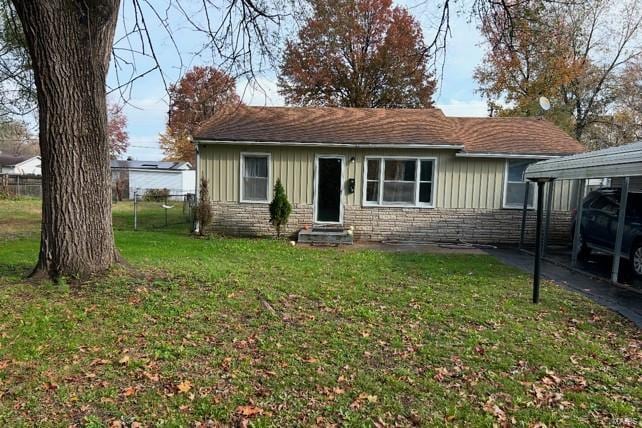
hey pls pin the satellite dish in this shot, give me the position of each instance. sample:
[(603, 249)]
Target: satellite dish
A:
[(544, 103)]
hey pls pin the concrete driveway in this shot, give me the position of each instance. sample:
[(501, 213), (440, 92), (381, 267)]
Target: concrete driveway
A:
[(626, 302)]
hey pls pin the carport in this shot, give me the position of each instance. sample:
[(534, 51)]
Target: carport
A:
[(621, 164)]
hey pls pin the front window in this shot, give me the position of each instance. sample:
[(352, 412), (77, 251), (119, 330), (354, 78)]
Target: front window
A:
[(515, 184), (399, 182), (255, 174)]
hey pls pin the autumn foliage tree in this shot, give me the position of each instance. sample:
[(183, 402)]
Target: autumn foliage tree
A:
[(575, 53), (196, 97), (357, 53), (117, 130)]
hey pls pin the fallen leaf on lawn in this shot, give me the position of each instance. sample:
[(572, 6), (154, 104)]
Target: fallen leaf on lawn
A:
[(495, 410), (310, 360), (226, 362), (441, 374), (50, 386), (129, 391), (152, 376), (362, 398), (184, 386), (124, 359), (98, 362), (4, 364), (249, 410)]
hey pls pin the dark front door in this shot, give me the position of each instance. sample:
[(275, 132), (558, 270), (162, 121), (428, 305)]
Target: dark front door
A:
[(329, 190)]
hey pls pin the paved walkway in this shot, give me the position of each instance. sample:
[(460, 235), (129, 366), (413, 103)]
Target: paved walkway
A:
[(625, 302)]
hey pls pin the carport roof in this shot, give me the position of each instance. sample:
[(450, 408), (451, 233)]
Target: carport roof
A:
[(622, 161)]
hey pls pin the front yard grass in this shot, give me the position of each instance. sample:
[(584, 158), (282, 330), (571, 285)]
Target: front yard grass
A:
[(238, 331)]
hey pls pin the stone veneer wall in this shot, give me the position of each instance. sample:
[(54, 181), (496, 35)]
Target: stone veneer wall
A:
[(395, 224)]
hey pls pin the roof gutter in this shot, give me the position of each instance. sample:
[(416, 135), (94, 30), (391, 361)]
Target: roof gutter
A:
[(348, 145), (504, 155)]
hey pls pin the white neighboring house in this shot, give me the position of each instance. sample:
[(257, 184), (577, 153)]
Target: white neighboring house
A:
[(178, 177), (20, 165)]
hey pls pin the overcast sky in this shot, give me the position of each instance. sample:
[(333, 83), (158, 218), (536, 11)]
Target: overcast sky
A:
[(147, 108)]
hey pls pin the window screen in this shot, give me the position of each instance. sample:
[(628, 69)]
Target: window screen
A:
[(515, 187), (255, 178)]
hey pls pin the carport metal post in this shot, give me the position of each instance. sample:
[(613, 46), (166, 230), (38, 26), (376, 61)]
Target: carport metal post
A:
[(617, 253), (578, 222), (522, 235), (538, 240)]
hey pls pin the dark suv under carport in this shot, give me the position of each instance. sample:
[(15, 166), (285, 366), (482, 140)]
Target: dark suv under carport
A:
[(600, 211)]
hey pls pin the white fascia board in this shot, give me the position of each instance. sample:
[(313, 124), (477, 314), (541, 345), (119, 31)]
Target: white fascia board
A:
[(504, 155), (347, 145)]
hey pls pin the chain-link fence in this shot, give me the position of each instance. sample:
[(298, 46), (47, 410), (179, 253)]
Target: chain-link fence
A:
[(163, 211), (21, 185)]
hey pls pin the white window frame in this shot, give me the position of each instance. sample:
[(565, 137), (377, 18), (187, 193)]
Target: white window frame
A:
[(382, 167), (531, 192), (269, 177)]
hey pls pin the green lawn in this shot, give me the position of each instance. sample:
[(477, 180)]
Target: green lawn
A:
[(237, 331)]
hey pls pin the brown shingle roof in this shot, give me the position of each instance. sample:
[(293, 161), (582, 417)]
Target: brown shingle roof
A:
[(514, 135), (350, 126), (330, 125)]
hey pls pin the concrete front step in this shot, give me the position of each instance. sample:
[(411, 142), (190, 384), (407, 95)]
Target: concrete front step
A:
[(325, 236)]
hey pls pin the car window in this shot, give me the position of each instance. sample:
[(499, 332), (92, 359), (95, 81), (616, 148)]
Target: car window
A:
[(606, 204), (634, 205), (589, 199)]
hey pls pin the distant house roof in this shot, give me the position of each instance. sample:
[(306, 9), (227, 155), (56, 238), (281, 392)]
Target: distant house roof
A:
[(152, 165), (365, 127), (9, 160)]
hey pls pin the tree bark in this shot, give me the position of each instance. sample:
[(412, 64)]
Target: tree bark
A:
[(70, 43)]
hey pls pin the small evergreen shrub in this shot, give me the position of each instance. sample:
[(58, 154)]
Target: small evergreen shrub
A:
[(203, 209), (280, 208)]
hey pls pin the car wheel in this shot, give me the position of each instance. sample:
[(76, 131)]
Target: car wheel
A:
[(584, 250), (636, 259)]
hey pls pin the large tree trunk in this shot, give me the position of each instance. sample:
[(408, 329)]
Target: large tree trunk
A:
[(70, 42)]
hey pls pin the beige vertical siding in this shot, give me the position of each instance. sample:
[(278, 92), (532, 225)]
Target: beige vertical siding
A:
[(474, 183)]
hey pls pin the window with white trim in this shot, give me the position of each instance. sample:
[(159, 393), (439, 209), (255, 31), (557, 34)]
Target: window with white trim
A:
[(255, 177), (515, 184), (399, 181)]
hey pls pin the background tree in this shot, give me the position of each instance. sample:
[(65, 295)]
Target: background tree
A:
[(117, 130), (574, 53), (17, 87), (196, 97), (15, 138), (280, 208), (357, 53)]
